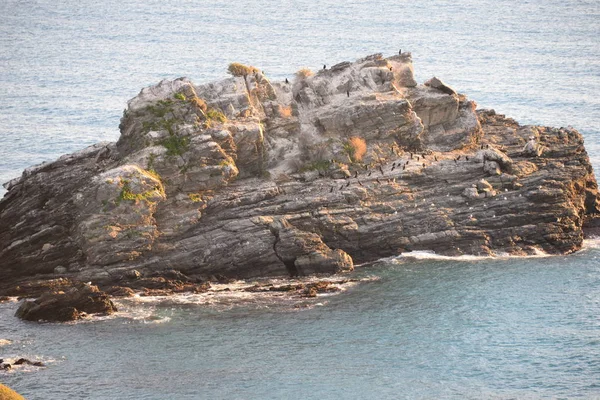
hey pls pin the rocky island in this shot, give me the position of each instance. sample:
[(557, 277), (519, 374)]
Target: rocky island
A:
[(246, 177)]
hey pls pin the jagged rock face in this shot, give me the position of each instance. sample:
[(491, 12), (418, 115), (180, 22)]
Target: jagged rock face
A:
[(245, 178)]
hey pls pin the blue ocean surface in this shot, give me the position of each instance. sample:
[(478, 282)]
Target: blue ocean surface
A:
[(426, 328)]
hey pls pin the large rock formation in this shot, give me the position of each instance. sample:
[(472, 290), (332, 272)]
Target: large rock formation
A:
[(245, 177)]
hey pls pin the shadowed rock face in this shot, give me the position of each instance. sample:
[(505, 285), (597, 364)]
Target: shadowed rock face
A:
[(245, 177)]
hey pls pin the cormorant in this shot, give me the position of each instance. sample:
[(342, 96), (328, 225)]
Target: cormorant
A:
[(324, 66), (370, 172), (356, 174), (348, 184), (418, 158), (411, 156), (331, 189), (407, 161), (423, 165), (390, 68), (400, 52), (458, 157), (286, 80), (341, 187), (348, 93), (435, 158), (423, 156), (377, 179), (393, 167), (467, 158), (381, 169), (403, 167)]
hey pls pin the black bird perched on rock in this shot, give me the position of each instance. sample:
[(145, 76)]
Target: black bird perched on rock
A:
[(356, 174), (390, 68), (487, 146), (407, 161), (403, 167), (341, 187), (348, 184), (393, 164), (331, 190), (411, 156), (381, 169), (359, 183), (423, 165), (324, 66), (378, 181), (348, 93), (393, 167), (458, 157), (435, 158), (467, 158), (370, 172), (286, 80), (418, 158), (423, 156), (400, 52)]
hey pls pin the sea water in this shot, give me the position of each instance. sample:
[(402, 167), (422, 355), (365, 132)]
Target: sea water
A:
[(421, 327)]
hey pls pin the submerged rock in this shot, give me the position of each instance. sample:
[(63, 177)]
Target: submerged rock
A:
[(249, 178), (71, 305)]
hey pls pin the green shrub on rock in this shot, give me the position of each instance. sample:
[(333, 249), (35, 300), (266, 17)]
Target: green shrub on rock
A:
[(176, 145)]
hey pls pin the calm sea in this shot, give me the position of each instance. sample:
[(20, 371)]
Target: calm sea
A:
[(432, 328)]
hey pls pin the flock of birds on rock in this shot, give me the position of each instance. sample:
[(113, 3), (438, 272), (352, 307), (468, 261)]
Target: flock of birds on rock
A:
[(399, 165)]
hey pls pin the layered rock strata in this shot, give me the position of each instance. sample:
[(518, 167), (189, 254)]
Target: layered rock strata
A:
[(246, 177)]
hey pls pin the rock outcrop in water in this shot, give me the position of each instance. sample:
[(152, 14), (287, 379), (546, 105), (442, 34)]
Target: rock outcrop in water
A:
[(246, 177), (73, 304)]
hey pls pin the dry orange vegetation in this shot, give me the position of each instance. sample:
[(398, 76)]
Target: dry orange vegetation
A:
[(304, 73), (360, 147)]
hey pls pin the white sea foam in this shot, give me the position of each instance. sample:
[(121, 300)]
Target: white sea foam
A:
[(226, 296), (593, 242), (431, 255)]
